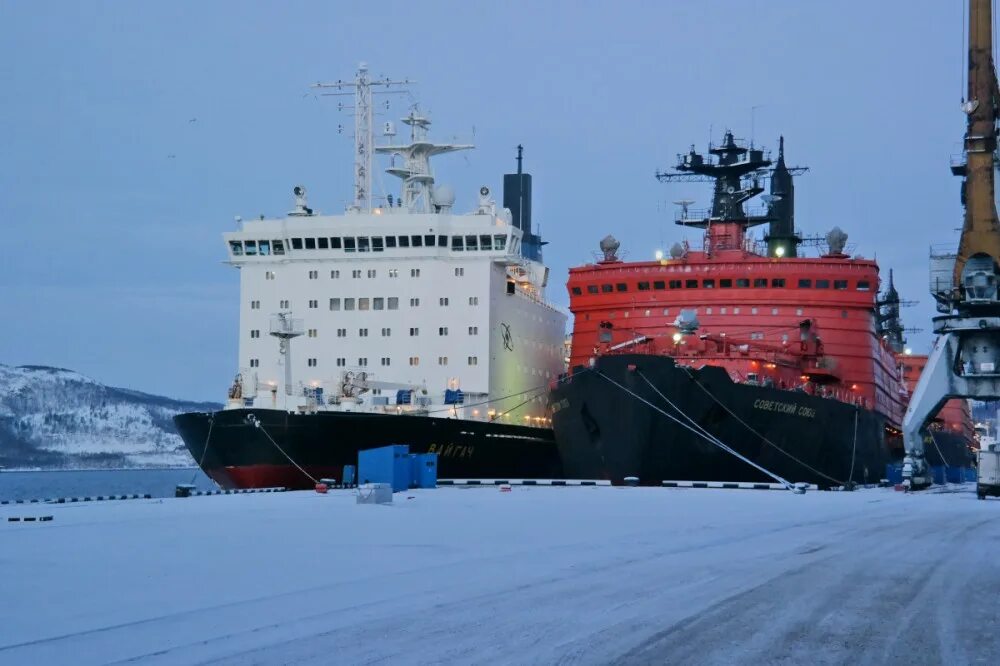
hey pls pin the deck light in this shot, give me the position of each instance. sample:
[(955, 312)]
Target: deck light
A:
[(779, 251)]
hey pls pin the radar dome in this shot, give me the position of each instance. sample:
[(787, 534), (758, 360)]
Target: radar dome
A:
[(444, 196), (836, 239), (609, 247), (676, 251)]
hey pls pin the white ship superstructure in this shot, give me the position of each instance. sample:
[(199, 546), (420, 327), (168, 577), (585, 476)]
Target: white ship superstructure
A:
[(408, 307)]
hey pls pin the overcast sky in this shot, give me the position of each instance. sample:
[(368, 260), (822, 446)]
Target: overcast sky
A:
[(113, 198)]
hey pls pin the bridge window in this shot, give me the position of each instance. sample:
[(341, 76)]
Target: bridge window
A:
[(470, 243), (760, 282), (621, 286), (659, 284), (591, 288), (377, 245), (442, 241), (416, 241), (778, 282), (236, 247), (576, 291), (822, 284), (264, 247), (743, 282), (279, 247), (363, 244), (429, 240), (404, 241), (310, 243), (805, 283), (643, 286), (708, 284), (390, 241), (485, 242), (675, 284), (863, 285), (335, 243), (349, 244), (251, 247), (607, 288), (296, 243), (456, 244), (499, 242), (690, 284), (840, 284), (323, 243), (726, 283)]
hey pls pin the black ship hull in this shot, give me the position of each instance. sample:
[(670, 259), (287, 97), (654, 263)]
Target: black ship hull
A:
[(236, 454), (605, 432)]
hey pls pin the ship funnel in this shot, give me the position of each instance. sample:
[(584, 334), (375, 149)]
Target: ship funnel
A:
[(517, 198)]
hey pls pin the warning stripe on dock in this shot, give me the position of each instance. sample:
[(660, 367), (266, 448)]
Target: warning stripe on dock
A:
[(522, 482), (28, 519), (732, 485), (236, 491), (66, 500)]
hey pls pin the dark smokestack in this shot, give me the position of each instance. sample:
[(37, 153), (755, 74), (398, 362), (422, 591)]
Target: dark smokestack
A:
[(517, 198)]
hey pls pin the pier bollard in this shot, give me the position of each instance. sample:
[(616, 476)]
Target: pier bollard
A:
[(632, 481), (183, 490)]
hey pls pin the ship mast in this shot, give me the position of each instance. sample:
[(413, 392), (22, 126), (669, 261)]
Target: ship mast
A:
[(364, 134)]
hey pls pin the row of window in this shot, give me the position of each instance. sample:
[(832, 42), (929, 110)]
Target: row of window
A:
[(463, 243), (722, 310), (363, 332), (723, 283), (363, 361)]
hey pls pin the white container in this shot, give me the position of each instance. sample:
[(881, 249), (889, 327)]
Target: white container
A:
[(375, 493)]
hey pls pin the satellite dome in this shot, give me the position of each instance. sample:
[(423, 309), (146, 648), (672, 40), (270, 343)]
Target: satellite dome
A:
[(444, 196), (836, 239), (609, 248)]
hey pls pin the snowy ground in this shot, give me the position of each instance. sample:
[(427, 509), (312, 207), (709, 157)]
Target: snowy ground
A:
[(538, 575)]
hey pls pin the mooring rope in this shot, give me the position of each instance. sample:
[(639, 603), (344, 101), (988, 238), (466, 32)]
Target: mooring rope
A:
[(255, 422), (709, 438), (934, 441), (211, 424), (765, 439), (854, 447)]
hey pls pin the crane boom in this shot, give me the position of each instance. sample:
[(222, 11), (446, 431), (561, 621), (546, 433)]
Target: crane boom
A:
[(980, 231)]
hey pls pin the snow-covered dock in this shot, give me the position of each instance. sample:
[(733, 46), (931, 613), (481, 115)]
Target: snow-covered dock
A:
[(587, 575)]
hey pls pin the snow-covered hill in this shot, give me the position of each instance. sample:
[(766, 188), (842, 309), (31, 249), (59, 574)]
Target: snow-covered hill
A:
[(55, 418)]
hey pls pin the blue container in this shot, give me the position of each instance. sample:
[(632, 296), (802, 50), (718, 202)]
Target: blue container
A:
[(423, 470), (937, 474), (954, 474), (894, 473), (970, 475), (348, 475), (386, 464)]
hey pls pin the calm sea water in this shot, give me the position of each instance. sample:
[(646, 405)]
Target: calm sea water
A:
[(88, 483)]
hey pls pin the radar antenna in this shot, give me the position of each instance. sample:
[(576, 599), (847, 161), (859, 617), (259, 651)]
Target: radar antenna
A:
[(684, 203)]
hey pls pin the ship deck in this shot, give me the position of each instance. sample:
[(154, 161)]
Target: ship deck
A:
[(536, 575)]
